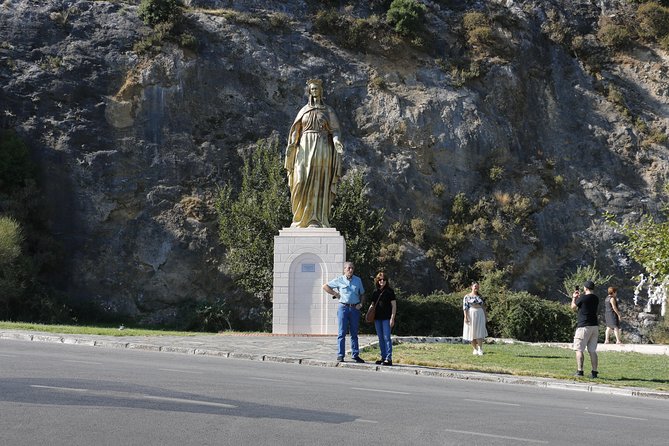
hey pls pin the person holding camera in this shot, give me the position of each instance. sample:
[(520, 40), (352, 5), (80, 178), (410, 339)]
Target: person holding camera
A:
[(587, 327)]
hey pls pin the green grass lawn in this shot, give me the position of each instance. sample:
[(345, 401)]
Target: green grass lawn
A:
[(615, 368), (90, 330)]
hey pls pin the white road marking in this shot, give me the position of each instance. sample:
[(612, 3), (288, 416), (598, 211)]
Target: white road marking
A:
[(269, 379), (82, 362), (67, 389), (615, 416), (136, 396), (185, 401), (362, 420), (381, 391), (481, 434), (181, 371), (492, 402)]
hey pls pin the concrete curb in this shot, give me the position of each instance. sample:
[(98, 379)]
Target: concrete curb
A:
[(403, 369)]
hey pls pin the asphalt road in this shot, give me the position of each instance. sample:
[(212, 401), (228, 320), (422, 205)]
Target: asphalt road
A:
[(55, 394)]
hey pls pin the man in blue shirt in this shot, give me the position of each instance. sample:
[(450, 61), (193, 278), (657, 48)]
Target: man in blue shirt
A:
[(350, 292)]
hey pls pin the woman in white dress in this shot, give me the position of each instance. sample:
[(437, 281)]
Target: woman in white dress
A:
[(474, 328)]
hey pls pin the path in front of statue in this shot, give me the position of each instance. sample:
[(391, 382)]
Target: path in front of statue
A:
[(321, 351)]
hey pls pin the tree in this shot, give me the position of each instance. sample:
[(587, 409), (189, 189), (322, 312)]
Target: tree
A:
[(359, 223), (583, 273), (406, 16), (12, 280), (249, 219), (153, 12), (647, 242)]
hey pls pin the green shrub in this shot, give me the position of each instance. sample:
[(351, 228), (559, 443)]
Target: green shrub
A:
[(655, 136), (661, 2), (479, 36), (460, 76), (350, 33), (418, 228), (496, 173), (614, 36), (653, 20), (11, 237), (526, 317), (474, 19), (583, 273), (213, 316), (153, 42), (153, 12), (460, 205), (188, 40), (327, 21), (437, 314), (664, 43), (438, 189), (406, 16), (12, 276), (279, 21)]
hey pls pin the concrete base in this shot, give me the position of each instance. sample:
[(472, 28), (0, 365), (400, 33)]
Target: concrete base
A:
[(305, 259)]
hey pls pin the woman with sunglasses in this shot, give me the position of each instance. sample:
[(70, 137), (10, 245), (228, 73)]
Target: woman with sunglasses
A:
[(383, 299)]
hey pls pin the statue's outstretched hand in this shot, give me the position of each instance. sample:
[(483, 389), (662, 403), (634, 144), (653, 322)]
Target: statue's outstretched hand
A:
[(339, 147)]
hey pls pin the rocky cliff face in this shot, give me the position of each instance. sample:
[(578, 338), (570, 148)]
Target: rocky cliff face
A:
[(132, 147)]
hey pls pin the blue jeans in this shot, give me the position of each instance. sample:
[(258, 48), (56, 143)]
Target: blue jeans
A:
[(349, 318), (385, 343)]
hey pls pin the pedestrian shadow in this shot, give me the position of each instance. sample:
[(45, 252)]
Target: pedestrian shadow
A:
[(657, 381), (541, 356), (92, 393)]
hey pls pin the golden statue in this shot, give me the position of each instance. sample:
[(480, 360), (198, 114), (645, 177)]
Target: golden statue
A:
[(313, 160)]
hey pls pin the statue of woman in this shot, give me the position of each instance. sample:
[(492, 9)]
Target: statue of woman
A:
[(313, 160)]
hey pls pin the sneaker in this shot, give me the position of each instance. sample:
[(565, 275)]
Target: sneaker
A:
[(578, 373), (340, 359), (388, 362), (594, 374), (358, 359), (379, 362)]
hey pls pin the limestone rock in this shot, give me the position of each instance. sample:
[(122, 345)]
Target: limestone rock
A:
[(132, 147)]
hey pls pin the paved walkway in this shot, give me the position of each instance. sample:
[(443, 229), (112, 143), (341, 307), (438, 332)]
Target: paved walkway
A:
[(321, 351)]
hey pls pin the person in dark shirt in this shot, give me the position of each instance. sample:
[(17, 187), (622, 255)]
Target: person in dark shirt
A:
[(587, 329), (385, 303)]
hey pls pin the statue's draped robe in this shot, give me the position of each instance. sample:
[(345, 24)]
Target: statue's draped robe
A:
[(313, 164)]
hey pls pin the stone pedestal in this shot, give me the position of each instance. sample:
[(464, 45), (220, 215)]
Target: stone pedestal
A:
[(305, 259)]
